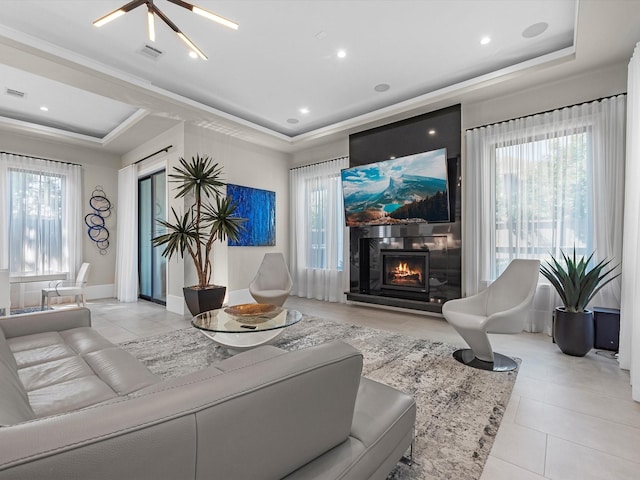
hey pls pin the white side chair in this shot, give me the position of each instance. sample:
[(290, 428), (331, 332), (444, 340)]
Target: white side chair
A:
[(502, 308), (68, 289), (272, 283), (5, 293)]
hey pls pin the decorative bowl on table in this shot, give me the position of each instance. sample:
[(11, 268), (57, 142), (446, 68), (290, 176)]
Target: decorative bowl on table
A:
[(253, 313)]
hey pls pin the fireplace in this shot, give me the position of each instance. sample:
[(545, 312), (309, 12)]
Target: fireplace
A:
[(405, 270)]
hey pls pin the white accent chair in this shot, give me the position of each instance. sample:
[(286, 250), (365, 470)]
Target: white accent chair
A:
[(68, 289), (5, 293), (272, 283), (502, 308)]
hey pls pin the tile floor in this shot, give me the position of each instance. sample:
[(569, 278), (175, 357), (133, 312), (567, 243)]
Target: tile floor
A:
[(568, 418)]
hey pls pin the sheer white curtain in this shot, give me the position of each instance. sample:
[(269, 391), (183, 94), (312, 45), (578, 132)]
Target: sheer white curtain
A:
[(41, 205), (317, 231), (541, 184), (127, 247), (630, 307)]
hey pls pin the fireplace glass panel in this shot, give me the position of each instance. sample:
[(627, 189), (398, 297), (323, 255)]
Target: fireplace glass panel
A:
[(405, 270)]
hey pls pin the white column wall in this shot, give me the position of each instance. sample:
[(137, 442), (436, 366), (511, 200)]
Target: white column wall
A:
[(253, 166)]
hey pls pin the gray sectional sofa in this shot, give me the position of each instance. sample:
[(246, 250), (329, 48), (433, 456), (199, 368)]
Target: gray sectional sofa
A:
[(75, 406)]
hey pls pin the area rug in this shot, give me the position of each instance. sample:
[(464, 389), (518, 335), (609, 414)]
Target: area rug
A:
[(458, 408)]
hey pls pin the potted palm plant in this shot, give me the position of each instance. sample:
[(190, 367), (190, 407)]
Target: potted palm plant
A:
[(577, 284), (209, 218)]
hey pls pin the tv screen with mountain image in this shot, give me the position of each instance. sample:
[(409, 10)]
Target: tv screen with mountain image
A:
[(411, 189)]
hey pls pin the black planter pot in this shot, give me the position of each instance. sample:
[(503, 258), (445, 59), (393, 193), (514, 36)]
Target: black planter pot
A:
[(204, 299), (573, 331)]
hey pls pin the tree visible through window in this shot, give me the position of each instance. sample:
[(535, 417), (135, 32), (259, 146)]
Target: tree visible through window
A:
[(36, 202), (324, 211), (543, 200)]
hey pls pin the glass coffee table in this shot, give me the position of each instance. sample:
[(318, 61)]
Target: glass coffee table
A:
[(241, 327)]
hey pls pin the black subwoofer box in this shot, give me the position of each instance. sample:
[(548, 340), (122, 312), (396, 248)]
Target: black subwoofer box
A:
[(607, 328)]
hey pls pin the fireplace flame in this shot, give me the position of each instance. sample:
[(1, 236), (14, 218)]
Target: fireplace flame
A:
[(403, 272)]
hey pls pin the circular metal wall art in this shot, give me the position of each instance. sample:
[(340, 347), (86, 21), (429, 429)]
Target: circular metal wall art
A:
[(95, 220)]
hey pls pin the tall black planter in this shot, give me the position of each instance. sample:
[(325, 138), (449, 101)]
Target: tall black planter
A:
[(573, 331), (204, 299)]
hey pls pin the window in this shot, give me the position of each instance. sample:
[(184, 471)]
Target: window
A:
[(41, 223), (538, 185), (317, 230), (35, 221), (323, 202), (543, 199)]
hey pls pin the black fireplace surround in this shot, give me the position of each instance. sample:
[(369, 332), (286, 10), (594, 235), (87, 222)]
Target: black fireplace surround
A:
[(435, 245), (439, 243)]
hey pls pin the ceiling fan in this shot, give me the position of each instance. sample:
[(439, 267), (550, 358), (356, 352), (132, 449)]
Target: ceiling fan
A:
[(152, 10)]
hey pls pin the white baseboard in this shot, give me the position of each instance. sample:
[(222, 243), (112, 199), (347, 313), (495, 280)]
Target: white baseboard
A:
[(95, 292), (176, 304), (29, 294)]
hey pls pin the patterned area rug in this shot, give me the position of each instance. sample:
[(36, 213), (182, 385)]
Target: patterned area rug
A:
[(19, 311), (458, 408)]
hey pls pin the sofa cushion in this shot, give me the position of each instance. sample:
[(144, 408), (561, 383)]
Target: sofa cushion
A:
[(72, 369), (50, 353), (120, 370), (381, 431), (85, 340), (55, 371), (68, 396), (6, 355), (14, 401), (31, 342), (13, 398)]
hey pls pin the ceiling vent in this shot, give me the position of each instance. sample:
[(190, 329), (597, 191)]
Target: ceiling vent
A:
[(151, 52), (15, 93)]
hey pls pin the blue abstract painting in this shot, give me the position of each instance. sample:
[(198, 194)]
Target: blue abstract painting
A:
[(259, 208)]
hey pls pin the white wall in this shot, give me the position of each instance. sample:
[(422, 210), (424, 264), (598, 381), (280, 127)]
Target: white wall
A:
[(558, 93), (98, 168), (243, 164), (167, 160), (251, 166), (321, 153), (548, 96)]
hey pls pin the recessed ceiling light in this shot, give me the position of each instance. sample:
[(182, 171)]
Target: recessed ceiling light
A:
[(341, 54), (485, 40), (44, 109), (304, 110), (193, 54), (535, 30), (293, 120), (431, 132), (382, 87)]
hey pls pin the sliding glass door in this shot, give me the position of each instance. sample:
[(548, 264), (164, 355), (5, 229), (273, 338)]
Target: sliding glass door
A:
[(151, 264)]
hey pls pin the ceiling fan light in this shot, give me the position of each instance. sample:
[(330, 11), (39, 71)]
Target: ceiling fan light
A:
[(151, 25), (107, 18), (212, 16), (192, 45)]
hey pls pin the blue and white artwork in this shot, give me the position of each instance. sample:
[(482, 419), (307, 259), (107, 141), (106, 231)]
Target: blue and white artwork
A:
[(259, 208), (411, 189)]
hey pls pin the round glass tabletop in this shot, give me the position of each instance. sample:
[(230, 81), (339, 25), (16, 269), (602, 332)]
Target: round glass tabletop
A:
[(246, 318)]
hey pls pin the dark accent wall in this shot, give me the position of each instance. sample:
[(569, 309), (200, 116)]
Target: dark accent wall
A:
[(443, 239)]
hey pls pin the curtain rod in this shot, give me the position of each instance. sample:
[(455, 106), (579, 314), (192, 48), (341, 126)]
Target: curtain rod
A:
[(40, 158), (165, 149), (546, 111), (319, 163)]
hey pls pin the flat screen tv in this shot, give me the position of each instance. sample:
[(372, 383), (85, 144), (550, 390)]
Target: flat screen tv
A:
[(411, 189)]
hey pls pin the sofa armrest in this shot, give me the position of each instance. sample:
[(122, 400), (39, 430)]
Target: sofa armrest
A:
[(260, 421), (47, 321)]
